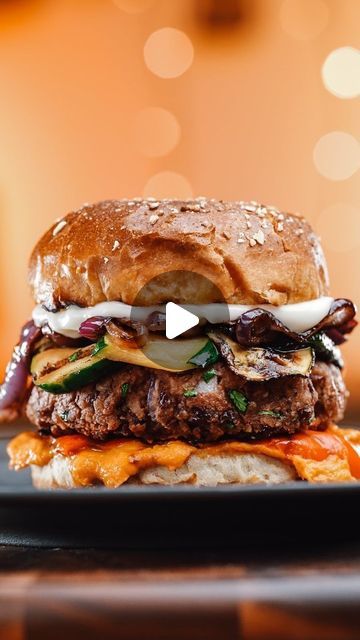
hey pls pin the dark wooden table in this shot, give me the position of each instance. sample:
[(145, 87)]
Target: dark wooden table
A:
[(229, 594)]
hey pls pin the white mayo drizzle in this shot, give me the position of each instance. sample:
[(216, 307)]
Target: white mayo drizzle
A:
[(297, 317)]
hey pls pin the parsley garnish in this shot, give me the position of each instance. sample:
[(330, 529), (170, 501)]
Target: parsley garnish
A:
[(74, 356), (190, 393), (124, 389), (209, 375), (273, 414), (239, 400)]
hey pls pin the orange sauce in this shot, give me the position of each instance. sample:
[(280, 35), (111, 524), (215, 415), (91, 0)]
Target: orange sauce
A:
[(322, 455), (314, 445), (351, 440)]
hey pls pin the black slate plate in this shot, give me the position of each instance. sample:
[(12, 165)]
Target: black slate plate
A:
[(169, 517)]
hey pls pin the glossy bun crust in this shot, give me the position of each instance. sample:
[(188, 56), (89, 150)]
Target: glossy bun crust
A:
[(109, 250)]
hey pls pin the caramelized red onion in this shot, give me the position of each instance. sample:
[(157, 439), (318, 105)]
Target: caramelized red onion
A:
[(14, 388), (93, 328), (135, 334), (259, 327), (339, 322)]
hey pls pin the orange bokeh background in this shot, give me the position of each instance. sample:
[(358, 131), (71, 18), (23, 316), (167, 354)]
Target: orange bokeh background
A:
[(80, 102)]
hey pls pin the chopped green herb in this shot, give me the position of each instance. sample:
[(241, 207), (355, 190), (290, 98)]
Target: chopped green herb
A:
[(100, 345), (206, 356), (273, 414), (124, 389), (209, 375), (229, 425), (190, 393), (74, 356), (239, 400)]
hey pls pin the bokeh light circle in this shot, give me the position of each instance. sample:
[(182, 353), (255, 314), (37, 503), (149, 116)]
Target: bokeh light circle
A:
[(337, 155), (339, 227), (168, 184), (341, 72), (157, 131), (304, 19), (168, 52)]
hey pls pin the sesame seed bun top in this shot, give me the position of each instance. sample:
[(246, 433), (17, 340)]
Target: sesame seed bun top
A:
[(110, 250)]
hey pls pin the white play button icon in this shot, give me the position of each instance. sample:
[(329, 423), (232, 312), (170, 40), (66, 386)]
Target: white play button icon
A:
[(178, 320)]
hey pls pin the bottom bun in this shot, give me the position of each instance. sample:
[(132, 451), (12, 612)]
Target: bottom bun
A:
[(209, 471)]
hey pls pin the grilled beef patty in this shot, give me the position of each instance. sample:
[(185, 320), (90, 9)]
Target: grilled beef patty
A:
[(150, 404)]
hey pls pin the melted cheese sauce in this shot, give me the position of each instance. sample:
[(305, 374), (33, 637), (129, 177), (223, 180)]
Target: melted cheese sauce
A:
[(297, 317), (318, 456)]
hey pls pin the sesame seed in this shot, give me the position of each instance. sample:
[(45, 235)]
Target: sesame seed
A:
[(153, 219), (280, 226), (58, 227), (153, 205), (106, 260), (264, 224), (116, 245), (259, 237), (248, 224), (250, 207), (196, 207), (299, 232), (227, 234), (240, 240), (281, 216), (117, 210), (151, 199), (252, 242), (247, 216)]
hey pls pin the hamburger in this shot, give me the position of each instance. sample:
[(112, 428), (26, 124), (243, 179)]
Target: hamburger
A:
[(253, 393)]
